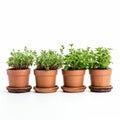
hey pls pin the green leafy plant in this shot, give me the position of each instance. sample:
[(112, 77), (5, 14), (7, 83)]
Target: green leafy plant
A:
[(76, 59), (100, 58), (49, 60), (21, 59)]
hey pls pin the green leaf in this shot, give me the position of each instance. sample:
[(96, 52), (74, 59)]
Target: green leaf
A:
[(21, 59)]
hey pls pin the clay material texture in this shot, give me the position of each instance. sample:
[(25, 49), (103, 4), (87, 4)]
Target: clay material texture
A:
[(73, 78), (46, 90), (18, 90), (100, 78), (100, 89), (73, 89), (18, 78), (45, 78)]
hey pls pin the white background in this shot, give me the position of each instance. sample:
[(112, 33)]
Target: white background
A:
[(46, 24)]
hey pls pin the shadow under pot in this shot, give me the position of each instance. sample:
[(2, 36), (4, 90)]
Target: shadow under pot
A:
[(45, 81), (100, 80), (18, 81), (73, 81)]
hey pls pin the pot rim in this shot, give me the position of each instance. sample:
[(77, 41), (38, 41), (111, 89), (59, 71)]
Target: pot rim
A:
[(74, 70), (100, 69), (44, 70), (10, 69)]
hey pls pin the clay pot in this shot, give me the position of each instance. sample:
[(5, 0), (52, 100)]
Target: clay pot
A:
[(73, 78), (18, 78), (45, 78), (100, 78)]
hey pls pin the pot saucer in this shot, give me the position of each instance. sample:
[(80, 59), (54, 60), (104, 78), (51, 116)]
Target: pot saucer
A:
[(45, 90), (18, 90), (100, 89), (73, 89)]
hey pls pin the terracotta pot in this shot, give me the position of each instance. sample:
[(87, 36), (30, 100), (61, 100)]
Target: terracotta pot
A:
[(18, 78), (73, 78), (100, 78), (45, 78)]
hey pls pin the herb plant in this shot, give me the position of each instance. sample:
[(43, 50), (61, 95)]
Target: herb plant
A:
[(100, 58), (21, 59), (76, 59), (49, 60)]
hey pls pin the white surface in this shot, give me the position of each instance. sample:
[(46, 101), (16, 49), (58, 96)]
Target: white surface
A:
[(46, 24)]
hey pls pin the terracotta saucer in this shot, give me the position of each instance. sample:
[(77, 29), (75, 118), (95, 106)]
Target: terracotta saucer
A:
[(18, 90), (73, 89), (45, 90), (100, 89)]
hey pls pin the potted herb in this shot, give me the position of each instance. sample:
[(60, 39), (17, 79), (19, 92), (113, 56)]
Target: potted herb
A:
[(100, 71), (18, 71), (74, 66), (47, 63)]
